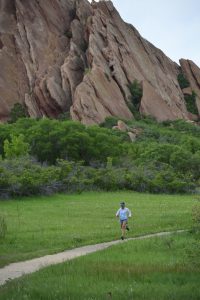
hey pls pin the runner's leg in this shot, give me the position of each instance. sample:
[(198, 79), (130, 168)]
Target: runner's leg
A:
[(123, 226)]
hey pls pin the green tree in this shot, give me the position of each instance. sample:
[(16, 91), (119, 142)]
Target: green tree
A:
[(136, 94), (16, 147), (18, 111)]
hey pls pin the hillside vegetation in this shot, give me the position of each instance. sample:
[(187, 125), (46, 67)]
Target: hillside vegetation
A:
[(45, 156)]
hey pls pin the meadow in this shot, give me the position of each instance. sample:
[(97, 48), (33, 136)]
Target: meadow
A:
[(158, 268), (43, 225)]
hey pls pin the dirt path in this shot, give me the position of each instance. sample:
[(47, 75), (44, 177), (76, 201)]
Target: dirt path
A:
[(19, 269)]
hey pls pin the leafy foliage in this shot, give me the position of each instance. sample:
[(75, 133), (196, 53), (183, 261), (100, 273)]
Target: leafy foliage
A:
[(109, 122), (68, 156), (136, 96), (136, 92), (18, 111), (16, 147), (191, 105), (182, 80), (64, 116)]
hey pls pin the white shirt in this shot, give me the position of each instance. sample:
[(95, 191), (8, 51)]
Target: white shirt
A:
[(123, 214)]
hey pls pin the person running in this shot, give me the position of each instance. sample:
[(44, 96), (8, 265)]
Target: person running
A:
[(123, 214)]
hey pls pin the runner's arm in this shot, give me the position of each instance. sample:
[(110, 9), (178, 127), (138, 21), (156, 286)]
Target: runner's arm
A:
[(117, 214)]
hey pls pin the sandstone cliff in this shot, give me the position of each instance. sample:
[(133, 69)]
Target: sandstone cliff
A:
[(70, 55), (192, 73)]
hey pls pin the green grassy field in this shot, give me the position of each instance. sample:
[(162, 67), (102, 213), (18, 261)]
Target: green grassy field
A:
[(44, 225), (157, 268)]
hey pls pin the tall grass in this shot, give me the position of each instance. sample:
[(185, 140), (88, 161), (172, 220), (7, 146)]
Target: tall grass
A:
[(44, 225), (139, 270), (3, 227)]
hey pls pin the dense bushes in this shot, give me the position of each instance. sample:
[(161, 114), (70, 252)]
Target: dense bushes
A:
[(15, 147), (52, 139), (46, 156), (24, 177)]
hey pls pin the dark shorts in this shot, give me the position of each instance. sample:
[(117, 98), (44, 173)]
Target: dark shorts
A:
[(122, 221)]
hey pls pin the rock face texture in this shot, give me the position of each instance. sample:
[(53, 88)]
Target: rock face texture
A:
[(70, 55), (192, 73)]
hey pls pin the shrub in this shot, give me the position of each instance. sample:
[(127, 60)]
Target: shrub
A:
[(109, 122), (162, 158), (135, 111), (136, 96), (24, 176), (191, 105), (16, 147), (180, 159), (64, 116), (109, 179), (182, 80), (18, 111)]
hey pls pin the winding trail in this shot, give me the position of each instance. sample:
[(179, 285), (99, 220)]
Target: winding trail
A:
[(19, 269)]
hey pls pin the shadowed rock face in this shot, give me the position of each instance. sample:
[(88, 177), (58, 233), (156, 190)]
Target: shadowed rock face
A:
[(192, 73), (70, 55)]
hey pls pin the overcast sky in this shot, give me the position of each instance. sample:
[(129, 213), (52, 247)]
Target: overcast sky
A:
[(172, 25)]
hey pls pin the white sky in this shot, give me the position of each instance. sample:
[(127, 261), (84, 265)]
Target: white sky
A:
[(172, 25)]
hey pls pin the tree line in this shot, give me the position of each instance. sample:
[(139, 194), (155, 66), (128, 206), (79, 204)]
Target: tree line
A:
[(43, 156)]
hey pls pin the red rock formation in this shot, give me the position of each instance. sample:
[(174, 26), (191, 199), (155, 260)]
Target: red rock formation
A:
[(192, 73), (57, 56)]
